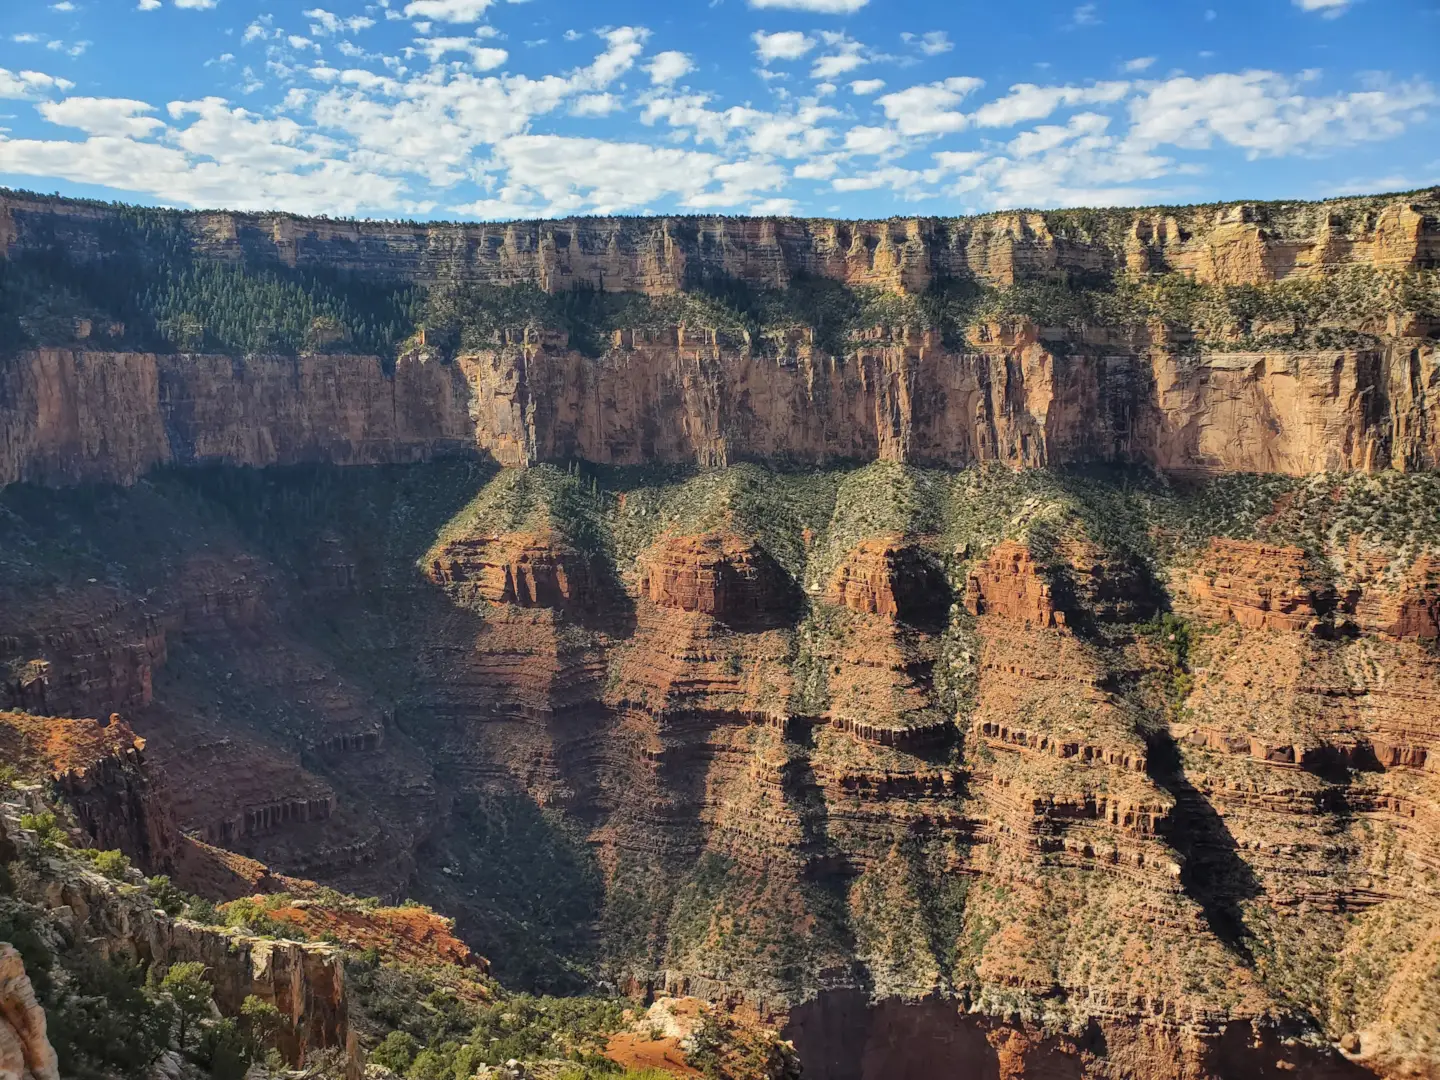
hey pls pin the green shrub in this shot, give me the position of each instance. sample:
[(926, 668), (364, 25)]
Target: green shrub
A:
[(200, 910), (49, 834), (192, 994), (113, 864), (166, 896), (396, 1052)]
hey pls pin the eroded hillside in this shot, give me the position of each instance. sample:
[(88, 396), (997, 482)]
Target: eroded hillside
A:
[(1138, 771)]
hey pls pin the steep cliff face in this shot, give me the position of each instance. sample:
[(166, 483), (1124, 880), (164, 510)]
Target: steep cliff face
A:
[(1236, 244), (73, 416), (86, 416), (1342, 377)]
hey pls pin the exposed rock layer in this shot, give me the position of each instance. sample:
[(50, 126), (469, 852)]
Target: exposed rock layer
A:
[(1236, 244), (69, 416)]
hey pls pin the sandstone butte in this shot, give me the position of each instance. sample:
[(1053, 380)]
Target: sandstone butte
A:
[(1026, 695)]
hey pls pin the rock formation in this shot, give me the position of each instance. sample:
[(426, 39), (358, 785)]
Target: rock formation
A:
[(888, 577), (1009, 583), (1246, 399), (722, 575), (25, 1051), (1238, 244)]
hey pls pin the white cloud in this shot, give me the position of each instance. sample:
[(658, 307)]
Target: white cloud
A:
[(29, 84), (930, 109), (823, 7), (1085, 15), (1263, 113), (453, 11), (298, 42), (932, 43), (76, 48), (785, 45), (1330, 9), (828, 67), (871, 140), (148, 5), (817, 169), (1140, 63), (1030, 102), (595, 105), (488, 58), (196, 5), (1049, 136), (63, 5), (774, 208), (666, 67), (441, 123), (554, 175), (844, 54), (102, 116), (958, 160), (324, 22)]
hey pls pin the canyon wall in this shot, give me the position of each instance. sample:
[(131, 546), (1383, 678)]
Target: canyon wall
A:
[(1230, 244), (1015, 390), (68, 415)]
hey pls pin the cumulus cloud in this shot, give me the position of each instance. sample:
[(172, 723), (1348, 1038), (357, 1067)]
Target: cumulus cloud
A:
[(103, 116), (666, 67), (451, 11), (1030, 102), (931, 109), (1140, 63), (595, 105), (785, 45), (325, 22), (443, 123), (196, 5), (932, 43), (1265, 113), (30, 84), (871, 140)]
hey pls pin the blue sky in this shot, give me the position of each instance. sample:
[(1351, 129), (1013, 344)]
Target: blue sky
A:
[(856, 108)]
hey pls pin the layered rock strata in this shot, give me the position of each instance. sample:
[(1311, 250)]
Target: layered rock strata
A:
[(1238, 244), (71, 416), (1013, 391)]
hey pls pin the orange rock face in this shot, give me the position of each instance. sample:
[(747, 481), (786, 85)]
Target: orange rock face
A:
[(25, 1050), (888, 577), (524, 569), (720, 574), (1258, 586), (1409, 608), (1009, 583)]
